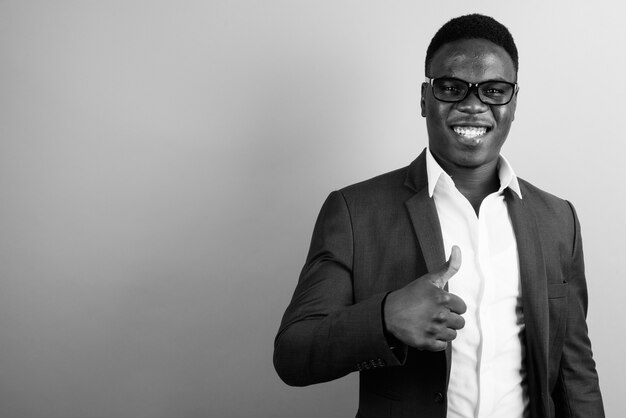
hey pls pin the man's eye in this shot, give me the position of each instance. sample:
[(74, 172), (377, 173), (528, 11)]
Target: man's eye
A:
[(493, 92), (450, 89), (496, 90)]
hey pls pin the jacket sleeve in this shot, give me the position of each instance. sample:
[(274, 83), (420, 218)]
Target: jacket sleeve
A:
[(577, 391), (324, 334)]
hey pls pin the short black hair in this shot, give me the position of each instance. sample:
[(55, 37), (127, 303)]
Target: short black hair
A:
[(473, 26)]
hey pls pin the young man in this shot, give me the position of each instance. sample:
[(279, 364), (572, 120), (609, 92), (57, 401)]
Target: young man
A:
[(497, 331)]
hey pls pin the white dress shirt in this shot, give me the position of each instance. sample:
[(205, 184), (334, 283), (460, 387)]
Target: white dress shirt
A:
[(487, 377)]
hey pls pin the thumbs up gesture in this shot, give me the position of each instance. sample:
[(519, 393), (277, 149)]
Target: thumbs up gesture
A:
[(422, 314)]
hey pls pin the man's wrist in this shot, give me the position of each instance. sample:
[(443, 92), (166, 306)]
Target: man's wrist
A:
[(392, 341)]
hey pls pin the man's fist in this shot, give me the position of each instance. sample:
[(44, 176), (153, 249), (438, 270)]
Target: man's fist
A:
[(422, 314)]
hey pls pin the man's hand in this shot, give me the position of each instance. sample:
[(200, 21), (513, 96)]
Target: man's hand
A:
[(422, 314)]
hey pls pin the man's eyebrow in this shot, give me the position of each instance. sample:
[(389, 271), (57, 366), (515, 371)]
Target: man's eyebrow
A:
[(502, 79), (498, 78)]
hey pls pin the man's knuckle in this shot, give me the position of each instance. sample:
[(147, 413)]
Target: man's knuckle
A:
[(439, 316), (432, 330), (443, 298)]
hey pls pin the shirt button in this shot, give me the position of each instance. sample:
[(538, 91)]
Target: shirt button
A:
[(439, 397)]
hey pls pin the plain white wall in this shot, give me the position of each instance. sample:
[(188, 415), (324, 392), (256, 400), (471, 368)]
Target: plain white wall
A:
[(162, 164)]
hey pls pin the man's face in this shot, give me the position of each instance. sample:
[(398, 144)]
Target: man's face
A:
[(472, 60)]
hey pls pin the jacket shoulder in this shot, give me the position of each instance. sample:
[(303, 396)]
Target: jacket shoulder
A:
[(383, 186), (554, 215), (542, 200)]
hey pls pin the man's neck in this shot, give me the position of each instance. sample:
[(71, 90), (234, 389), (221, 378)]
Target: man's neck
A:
[(474, 183)]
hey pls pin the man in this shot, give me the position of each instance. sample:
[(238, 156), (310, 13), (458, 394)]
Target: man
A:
[(497, 331)]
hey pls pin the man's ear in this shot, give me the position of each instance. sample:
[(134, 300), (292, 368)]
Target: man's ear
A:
[(423, 99)]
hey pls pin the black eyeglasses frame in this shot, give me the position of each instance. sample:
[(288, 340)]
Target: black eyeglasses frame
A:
[(471, 86)]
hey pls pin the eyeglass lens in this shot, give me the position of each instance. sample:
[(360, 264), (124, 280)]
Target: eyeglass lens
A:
[(491, 92)]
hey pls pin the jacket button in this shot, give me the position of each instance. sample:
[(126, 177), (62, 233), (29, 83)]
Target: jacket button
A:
[(439, 397)]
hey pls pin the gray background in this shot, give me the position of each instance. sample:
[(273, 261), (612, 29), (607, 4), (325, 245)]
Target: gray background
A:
[(162, 164)]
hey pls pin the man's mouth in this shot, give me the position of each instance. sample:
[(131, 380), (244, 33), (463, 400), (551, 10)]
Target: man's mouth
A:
[(470, 132)]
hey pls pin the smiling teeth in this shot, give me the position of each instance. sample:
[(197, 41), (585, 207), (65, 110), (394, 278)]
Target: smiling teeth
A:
[(470, 131)]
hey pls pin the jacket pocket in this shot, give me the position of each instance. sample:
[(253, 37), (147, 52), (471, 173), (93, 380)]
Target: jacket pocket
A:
[(375, 405), (377, 400), (557, 302)]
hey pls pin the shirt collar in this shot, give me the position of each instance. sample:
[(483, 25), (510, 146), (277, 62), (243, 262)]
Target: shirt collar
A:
[(436, 173)]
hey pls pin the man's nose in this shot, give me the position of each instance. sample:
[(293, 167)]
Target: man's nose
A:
[(471, 103)]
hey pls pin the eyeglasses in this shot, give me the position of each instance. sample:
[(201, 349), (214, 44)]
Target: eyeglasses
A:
[(490, 92)]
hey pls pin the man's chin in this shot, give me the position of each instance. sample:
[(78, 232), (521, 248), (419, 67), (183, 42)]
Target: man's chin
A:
[(472, 158)]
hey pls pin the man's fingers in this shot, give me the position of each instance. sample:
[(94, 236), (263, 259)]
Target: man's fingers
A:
[(437, 345), (456, 304), (454, 321), (453, 265), (447, 335)]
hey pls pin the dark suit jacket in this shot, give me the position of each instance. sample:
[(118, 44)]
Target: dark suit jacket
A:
[(375, 237)]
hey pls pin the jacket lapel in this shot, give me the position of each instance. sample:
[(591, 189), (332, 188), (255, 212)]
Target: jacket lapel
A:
[(423, 214), (425, 222), (534, 298)]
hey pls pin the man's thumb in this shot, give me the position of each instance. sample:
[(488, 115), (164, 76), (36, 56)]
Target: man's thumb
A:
[(449, 269)]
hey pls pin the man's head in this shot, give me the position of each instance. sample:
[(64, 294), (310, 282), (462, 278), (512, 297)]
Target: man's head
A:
[(474, 26), (468, 124)]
